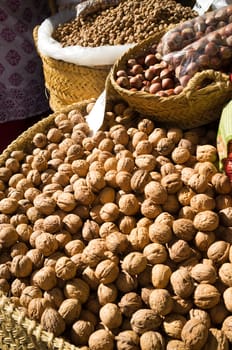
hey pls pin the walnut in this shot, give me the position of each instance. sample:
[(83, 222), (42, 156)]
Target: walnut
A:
[(216, 340), (138, 238), (24, 231), (65, 268), (21, 266), (18, 285), (55, 297), (203, 240), (5, 271), (4, 286), (134, 263), (95, 180), (125, 282), (206, 153), (140, 178), (144, 320), (160, 301), (52, 321), (45, 278), (201, 202), (70, 310), (150, 209), (46, 243), (184, 229), (128, 204), (194, 334), (155, 253), (107, 228), (94, 252), (110, 315), (165, 218), (8, 235), (201, 315), (207, 169), (225, 273), (8, 205), (29, 293), (204, 273), (160, 233), (227, 328), (206, 221), (173, 325), (160, 275), (36, 307), (72, 222), (109, 212), (52, 223), (179, 250), (83, 195), (63, 238), (181, 306), (152, 340), (145, 162), (172, 183), (66, 201), (180, 155), (117, 242), (156, 192), (77, 288), (225, 216), (175, 344), (127, 340), (218, 313), (106, 293), (129, 303), (165, 146), (19, 248), (107, 271), (44, 204), (198, 183), (171, 205), (206, 296), (101, 339), (218, 252), (182, 283)]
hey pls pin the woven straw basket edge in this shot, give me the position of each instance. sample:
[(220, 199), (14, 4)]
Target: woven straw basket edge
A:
[(68, 83), (16, 330)]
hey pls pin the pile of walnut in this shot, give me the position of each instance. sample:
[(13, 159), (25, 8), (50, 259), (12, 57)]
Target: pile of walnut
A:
[(121, 240)]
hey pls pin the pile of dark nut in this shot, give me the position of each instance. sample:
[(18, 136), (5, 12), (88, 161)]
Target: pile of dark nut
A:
[(129, 22)]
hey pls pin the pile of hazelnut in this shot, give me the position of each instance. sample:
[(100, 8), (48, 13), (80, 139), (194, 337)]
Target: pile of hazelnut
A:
[(121, 240)]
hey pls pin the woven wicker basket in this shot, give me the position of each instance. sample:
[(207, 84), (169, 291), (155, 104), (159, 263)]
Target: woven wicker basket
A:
[(68, 83), (16, 330), (193, 107)]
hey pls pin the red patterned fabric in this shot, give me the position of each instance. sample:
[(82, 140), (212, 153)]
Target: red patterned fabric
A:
[(22, 89)]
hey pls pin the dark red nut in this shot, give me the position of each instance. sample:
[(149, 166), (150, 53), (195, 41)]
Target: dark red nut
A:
[(150, 60), (154, 88), (167, 84)]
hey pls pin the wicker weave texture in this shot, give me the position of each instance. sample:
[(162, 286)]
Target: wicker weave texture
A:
[(191, 108)]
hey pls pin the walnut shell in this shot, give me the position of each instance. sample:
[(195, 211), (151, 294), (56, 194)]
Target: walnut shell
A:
[(160, 301), (144, 320), (127, 340), (194, 334), (52, 321), (152, 340), (110, 315), (101, 339), (70, 310), (206, 296)]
